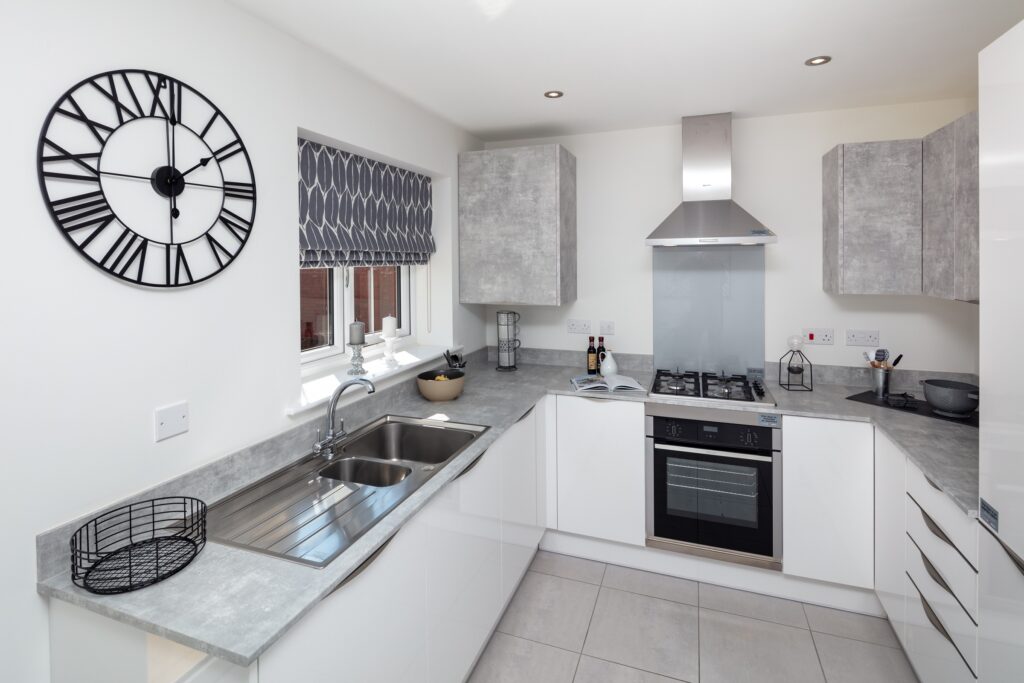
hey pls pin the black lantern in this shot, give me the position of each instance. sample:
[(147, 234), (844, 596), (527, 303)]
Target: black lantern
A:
[(796, 367)]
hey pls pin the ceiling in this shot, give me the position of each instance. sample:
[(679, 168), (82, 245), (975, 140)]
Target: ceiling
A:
[(484, 64)]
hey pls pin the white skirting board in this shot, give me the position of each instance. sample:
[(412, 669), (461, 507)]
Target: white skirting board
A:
[(730, 575)]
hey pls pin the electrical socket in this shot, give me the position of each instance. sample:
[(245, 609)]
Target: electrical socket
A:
[(573, 326), (170, 421), (819, 336), (607, 328), (862, 338)]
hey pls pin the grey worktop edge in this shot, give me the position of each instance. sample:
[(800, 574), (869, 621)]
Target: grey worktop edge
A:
[(499, 407)]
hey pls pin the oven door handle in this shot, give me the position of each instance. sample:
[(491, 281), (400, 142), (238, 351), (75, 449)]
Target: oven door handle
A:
[(719, 454)]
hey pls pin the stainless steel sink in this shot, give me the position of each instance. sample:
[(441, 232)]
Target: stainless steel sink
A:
[(395, 439), (311, 511), (368, 472)]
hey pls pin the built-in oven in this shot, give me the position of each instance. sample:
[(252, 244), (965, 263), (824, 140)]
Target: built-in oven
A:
[(714, 483)]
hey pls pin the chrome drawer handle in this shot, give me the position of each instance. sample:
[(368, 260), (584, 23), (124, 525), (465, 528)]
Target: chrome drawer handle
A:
[(526, 414), (932, 484), (1018, 562), (932, 616), (933, 527), (476, 461), (363, 565), (934, 573)]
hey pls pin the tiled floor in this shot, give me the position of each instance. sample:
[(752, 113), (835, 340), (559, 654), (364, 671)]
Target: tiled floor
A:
[(576, 620)]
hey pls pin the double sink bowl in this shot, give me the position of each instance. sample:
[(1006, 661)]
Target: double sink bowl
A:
[(310, 512)]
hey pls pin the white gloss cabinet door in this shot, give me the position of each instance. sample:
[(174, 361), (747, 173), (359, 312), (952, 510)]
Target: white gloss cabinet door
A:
[(352, 633), (890, 531), (1001, 601), (463, 569), (828, 500), (601, 468), (1001, 325), (520, 531)]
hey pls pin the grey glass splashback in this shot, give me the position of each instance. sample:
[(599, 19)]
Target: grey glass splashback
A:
[(709, 308)]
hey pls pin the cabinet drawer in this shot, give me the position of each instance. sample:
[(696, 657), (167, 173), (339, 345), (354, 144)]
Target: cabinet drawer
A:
[(953, 619), (934, 657), (960, 576), (958, 527)]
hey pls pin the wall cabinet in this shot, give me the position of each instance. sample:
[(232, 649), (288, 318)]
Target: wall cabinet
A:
[(890, 531), (517, 226), (950, 215), (601, 484), (871, 218), (828, 500)]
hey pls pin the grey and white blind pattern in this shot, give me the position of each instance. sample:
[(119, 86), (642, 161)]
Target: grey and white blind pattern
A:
[(355, 211)]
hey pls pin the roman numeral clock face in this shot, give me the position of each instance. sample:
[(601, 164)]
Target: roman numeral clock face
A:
[(147, 178)]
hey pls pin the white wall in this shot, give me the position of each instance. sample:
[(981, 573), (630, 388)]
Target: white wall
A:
[(84, 358), (629, 180)]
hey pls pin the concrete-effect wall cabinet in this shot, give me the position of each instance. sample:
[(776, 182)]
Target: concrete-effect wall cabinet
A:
[(871, 218), (517, 226), (951, 210)]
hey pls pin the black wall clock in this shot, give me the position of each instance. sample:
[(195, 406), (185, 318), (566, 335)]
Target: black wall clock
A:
[(147, 178)]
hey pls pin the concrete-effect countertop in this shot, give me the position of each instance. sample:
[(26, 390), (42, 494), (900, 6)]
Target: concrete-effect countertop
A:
[(234, 603)]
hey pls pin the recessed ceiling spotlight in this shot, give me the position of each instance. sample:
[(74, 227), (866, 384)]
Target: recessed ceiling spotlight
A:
[(818, 61), (553, 94)]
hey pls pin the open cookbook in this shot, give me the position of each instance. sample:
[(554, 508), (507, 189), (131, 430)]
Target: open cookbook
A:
[(605, 383)]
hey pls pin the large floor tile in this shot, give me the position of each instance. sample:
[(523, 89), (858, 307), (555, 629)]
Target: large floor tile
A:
[(851, 625), (551, 610), (746, 604), (568, 567), (592, 670), (659, 636), (735, 649), (650, 584), (508, 659), (854, 661)]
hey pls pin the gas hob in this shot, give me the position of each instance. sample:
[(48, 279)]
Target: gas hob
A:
[(710, 386)]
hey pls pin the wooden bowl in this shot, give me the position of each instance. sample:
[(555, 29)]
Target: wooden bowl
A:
[(433, 389)]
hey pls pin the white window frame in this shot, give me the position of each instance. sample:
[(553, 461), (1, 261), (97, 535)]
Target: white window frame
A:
[(343, 297)]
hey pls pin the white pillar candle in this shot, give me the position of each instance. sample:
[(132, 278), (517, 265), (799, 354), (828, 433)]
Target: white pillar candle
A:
[(390, 326), (357, 333)]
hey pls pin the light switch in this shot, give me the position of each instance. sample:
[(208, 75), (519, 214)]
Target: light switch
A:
[(170, 421)]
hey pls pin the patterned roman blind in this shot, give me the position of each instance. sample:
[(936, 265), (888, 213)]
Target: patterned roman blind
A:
[(355, 211)]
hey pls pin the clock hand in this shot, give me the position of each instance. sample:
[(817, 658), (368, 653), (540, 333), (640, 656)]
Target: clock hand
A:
[(141, 177), (170, 196), (174, 151), (202, 162)]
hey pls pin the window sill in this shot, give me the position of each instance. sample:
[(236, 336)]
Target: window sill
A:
[(321, 377)]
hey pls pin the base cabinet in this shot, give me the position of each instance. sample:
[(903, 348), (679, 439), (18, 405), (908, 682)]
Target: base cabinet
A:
[(463, 568), (827, 500), (931, 651), (426, 606), (350, 634), (890, 531), (520, 527), (601, 488), (1001, 599)]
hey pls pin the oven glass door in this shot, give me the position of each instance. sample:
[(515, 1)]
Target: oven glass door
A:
[(721, 499)]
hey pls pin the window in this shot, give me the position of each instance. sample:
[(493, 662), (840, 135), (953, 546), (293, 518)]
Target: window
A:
[(331, 298), (316, 314)]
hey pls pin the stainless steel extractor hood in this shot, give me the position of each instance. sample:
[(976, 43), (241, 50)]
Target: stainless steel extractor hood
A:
[(708, 215)]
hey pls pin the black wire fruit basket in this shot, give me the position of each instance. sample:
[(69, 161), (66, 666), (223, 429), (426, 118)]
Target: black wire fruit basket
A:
[(137, 545)]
